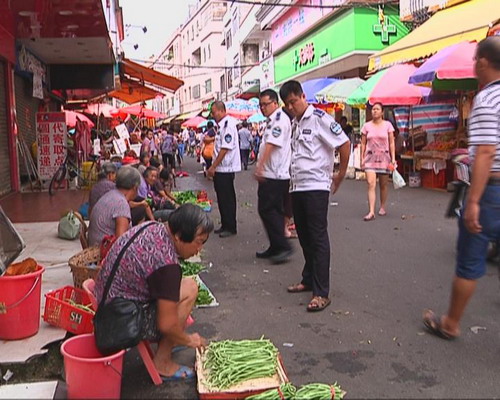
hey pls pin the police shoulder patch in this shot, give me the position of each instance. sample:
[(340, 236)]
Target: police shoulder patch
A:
[(228, 138), (278, 116), (226, 123), (276, 131), (335, 128), (318, 112)]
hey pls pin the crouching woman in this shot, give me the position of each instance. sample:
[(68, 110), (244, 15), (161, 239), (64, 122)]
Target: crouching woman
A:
[(149, 272)]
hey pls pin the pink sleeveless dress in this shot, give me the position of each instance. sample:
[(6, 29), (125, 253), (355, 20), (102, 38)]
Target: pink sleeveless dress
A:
[(377, 153)]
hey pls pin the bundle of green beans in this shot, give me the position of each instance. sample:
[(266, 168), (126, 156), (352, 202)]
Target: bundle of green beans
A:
[(230, 362), (319, 391), (284, 392)]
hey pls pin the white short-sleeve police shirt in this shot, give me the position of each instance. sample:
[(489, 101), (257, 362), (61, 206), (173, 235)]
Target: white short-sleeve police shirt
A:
[(227, 138), (279, 133), (314, 139)]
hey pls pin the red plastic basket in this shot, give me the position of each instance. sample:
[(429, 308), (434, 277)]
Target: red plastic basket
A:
[(59, 312)]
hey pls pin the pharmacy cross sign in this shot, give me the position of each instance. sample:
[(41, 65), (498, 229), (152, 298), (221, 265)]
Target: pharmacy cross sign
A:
[(384, 27)]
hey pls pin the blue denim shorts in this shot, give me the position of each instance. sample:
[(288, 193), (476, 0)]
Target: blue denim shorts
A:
[(472, 249)]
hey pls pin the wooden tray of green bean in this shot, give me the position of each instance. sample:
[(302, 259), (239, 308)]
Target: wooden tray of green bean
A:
[(240, 390)]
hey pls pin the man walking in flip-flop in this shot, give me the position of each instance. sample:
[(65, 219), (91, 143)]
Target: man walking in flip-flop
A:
[(480, 220), (315, 136)]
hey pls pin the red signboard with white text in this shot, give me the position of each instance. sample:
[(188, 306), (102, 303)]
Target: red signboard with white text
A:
[(51, 140)]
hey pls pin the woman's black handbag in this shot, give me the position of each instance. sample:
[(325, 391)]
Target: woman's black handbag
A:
[(117, 324)]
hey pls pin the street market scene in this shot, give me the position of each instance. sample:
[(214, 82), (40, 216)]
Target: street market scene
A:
[(243, 199)]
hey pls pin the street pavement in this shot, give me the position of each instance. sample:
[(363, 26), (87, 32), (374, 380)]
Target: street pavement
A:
[(370, 339)]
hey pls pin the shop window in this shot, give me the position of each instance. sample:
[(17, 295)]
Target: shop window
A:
[(196, 92), (229, 78), (223, 83), (208, 86), (237, 69)]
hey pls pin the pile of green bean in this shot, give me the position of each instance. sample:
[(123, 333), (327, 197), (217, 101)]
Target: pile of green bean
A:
[(230, 362), (285, 392), (319, 391)]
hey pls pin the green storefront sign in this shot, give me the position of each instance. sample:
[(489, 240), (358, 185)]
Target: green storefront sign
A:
[(358, 29)]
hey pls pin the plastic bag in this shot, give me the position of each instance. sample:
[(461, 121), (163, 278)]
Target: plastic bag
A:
[(69, 227), (397, 180)]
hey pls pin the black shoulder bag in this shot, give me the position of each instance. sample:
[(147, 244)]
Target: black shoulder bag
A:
[(117, 324)]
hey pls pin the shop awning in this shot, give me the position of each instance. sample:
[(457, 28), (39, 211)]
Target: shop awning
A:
[(187, 115), (469, 21), (250, 92), (151, 76), (133, 92)]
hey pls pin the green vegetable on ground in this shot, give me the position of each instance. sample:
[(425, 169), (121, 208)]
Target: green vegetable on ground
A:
[(284, 392), (184, 197), (319, 391), (191, 268), (204, 297), (230, 362)]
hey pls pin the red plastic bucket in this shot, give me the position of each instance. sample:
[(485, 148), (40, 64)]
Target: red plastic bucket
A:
[(20, 305), (90, 375)]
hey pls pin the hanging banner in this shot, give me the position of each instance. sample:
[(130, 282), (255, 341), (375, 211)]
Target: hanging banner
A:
[(51, 142)]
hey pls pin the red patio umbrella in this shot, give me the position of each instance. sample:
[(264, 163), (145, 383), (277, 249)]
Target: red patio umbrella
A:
[(140, 111), (72, 117), (98, 109), (193, 122)]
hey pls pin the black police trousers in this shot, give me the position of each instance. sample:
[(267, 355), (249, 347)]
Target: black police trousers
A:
[(226, 198), (310, 212), (271, 194)]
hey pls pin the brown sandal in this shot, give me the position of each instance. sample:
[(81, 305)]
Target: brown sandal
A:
[(318, 303), (298, 288)]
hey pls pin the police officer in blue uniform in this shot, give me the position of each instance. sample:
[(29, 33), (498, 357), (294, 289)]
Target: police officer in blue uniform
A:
[(315, 136), (226, 161)]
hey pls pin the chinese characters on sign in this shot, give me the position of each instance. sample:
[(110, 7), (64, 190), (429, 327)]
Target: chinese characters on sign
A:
[(51, 139), (304, 55)]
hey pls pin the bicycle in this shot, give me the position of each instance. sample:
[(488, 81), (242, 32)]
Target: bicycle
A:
[(69, 170)]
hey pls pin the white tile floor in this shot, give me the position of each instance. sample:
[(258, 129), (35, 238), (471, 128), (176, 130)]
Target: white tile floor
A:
[(53, 253)]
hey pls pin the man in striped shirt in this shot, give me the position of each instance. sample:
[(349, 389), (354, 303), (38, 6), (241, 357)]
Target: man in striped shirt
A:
[(480, 221)]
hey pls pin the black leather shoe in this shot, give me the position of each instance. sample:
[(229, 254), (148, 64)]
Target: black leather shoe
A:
[(225, 234), (217, 231), (264, 254), (281, 257)]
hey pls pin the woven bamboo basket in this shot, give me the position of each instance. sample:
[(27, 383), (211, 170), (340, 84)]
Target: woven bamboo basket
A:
[(83, 266)]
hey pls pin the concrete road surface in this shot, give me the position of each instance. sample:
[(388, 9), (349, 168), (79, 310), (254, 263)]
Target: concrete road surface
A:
[(371, 339)]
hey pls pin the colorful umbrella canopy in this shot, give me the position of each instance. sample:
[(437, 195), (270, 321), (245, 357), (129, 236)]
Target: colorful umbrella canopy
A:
[(240, 105), (72, 117), (338, 91), (313, 86), (451, 68), (140, 111), (193, 122), (389, 87), (256, 118)]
